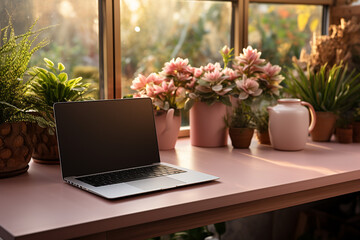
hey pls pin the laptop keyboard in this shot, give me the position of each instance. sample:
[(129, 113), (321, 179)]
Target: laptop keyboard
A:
[(129, 175)]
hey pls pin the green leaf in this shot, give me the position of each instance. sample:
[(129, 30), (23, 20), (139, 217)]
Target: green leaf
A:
[(61, 67), (63, 77), (49, 63)]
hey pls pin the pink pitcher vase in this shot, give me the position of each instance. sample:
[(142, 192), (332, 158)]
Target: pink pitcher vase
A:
[(167, 129)]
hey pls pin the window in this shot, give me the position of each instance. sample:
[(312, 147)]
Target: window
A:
[(187, 29), (72, 28), (281, 31)]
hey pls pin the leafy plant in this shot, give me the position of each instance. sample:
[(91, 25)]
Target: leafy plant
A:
[(15, 54), (261, 120), (241, 117), (328, 90)]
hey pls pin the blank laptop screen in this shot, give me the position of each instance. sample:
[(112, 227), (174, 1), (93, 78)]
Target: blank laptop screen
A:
[(99, 136)]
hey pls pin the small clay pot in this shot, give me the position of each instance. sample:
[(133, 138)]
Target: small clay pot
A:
[(356, 132), (344, 135), (263, 137), (324, 127), (241, 137)]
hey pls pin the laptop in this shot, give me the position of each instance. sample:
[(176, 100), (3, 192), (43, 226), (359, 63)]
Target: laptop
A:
[(109, 148)]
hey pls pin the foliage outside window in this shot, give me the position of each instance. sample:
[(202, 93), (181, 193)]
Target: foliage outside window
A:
[(72, 32), (281, 31)]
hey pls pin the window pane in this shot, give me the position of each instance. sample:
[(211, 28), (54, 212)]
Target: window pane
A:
[(155, 31), (281, 31), (73, 33)]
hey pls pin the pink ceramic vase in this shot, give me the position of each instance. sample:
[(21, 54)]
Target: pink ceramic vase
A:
[(167, 129), (289, 124), (207, 125)]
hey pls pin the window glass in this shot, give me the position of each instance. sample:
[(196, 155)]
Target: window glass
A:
[(154, 32), (72, 31), (281, 31)]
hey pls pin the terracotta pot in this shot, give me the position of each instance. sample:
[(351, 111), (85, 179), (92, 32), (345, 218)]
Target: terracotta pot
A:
[(263, 137), (45, 146), (324, 127), (344, 135), (15, 149), (167, 129), (356, 132), (241, 137), (207, 125)]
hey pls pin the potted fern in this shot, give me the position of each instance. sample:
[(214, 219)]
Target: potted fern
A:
[(15, 105), (331, 91), (51, 84)]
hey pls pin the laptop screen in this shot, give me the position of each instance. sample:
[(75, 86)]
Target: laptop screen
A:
[(105, 135)]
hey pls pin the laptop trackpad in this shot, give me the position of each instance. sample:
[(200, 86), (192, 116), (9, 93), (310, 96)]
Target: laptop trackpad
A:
[(156, 183)]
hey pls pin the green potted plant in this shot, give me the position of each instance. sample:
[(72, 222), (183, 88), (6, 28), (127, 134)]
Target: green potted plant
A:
[(257, 85), (16, 106), (344, 127), (261, 121), (51, 85), (241, 125), (330, 91)]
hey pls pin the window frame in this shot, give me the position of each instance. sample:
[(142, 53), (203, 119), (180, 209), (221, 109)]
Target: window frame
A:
[(110, 37)]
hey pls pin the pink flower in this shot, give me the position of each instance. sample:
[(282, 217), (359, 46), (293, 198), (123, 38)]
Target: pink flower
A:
[(271, 73), (191, 84), (165, 87), (155, 78), (175, 66), (250, 57), (230, 74), (248, 87), (184, 76), (197, 72), (225, 50), (212, 67), (213, 76), (139, 82), (149, 91)]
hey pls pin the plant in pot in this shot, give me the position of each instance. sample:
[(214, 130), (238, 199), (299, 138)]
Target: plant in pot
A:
[(261, 121), (344, 128), (256, 87), (330, 91), (15, 105), (51, 85), (209, 100), (356, 125), (168, 91), (241, 125)]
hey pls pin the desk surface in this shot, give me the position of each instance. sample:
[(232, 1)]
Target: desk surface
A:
[(39, 205)]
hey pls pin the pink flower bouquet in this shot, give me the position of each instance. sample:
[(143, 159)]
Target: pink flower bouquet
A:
[(256, 76), (168, 88), (258, 82)]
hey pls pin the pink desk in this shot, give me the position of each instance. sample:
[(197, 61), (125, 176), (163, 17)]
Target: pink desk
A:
[(38, 205)]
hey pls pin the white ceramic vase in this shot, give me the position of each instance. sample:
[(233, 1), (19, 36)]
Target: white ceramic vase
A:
[(289, 124)]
